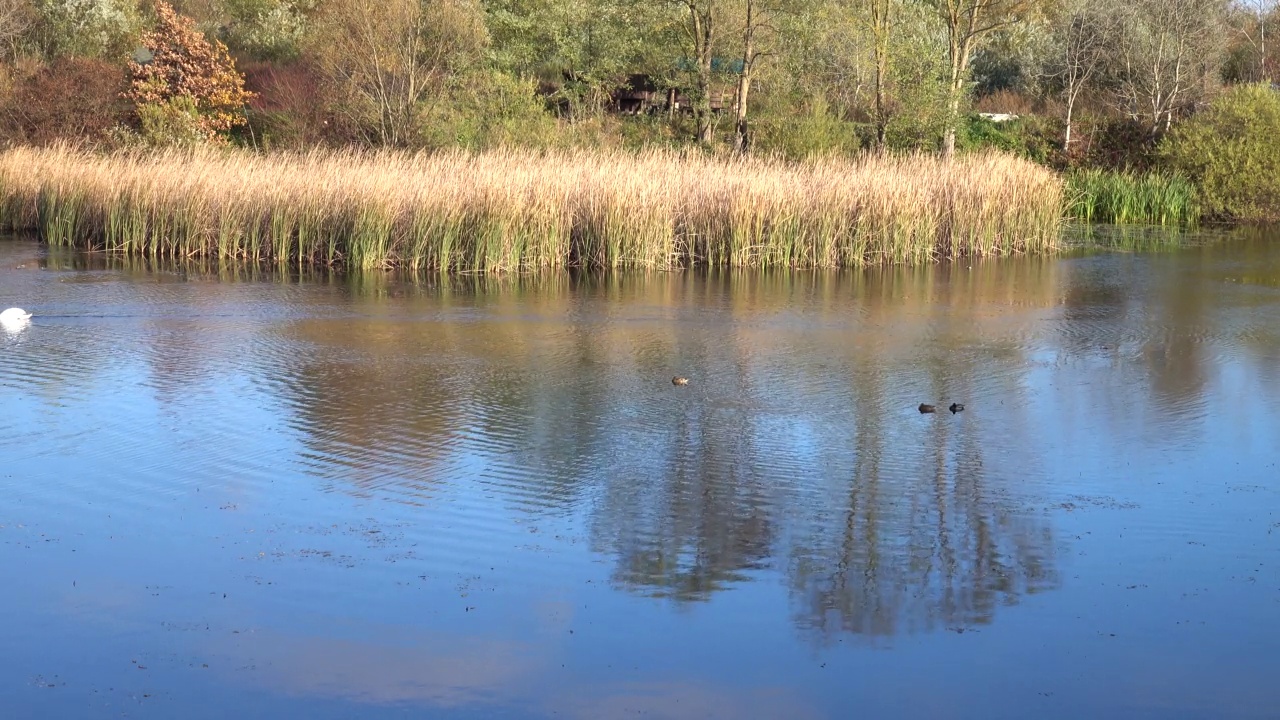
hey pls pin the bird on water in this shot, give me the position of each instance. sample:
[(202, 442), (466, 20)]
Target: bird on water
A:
[(13, 316), (927, 408), (955, 408), (677, 380)]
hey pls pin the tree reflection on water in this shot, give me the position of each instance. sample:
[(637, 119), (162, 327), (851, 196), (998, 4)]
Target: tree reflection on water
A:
[(795, 456)]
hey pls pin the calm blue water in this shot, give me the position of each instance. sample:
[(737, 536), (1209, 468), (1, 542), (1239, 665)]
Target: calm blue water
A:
[(243, 495)]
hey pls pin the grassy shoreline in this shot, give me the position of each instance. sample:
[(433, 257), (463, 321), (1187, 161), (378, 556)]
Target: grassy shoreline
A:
[(513, 211)]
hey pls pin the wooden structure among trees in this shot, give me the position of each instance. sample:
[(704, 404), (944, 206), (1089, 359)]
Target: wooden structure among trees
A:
[(643, 94)]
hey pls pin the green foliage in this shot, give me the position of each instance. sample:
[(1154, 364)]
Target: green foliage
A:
[(87, 28), (817, 62), (579, 50), (174, 122), (918, 75), (269, 29), (1232, 152), (486, 110), (1131, 198), (1009, 60), (920, 130), (1029, 137), (648, 131), (977, 133), (815, 133)]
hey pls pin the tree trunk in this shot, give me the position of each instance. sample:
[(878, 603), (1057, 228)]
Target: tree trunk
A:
[(1262, 64), (744, 83), (702, 108), (882, 121), (880, 25), (960, 45), (703, 34), (1066, 139), (953, 119), (740, 126)]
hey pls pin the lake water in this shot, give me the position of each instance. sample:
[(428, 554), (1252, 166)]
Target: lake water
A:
[(245, 495)]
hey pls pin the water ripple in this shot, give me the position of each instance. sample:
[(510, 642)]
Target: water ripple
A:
[(248, 455)]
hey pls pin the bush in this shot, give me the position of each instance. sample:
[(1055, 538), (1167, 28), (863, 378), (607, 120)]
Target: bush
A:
[(1231, 152), (73, 98), (291, 107), (1007, 101), (272, 29), (1030, 136), (644, 132), (816, 133), (172, 123), (487, 109), (1114, 144), (86, 28)]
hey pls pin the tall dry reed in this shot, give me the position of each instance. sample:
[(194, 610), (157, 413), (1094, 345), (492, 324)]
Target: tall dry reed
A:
[(506, 211)]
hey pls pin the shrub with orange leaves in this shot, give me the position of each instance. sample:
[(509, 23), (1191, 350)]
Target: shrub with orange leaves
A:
[(186, 68)]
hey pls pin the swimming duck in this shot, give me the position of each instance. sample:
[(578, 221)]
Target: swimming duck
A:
[(677, 380), (955, 408), (14, 316), (927, 408)]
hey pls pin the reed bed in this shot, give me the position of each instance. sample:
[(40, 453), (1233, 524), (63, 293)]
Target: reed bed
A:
[(1131, 198), (517, 211)]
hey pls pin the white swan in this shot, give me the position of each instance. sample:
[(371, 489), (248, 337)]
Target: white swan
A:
[(14, 316)]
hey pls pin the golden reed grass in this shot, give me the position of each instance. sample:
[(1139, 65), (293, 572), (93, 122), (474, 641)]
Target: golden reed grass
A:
[(512, 211)]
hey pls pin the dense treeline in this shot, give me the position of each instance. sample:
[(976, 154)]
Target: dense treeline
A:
[(1094, 83)]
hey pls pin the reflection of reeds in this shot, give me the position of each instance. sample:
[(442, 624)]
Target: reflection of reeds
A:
[(506, 211), (1121, 197)]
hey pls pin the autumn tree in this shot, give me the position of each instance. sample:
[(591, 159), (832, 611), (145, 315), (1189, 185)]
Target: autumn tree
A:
[(187, 73)]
